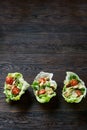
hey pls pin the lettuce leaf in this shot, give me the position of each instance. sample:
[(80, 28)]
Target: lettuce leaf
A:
[(43, 98), (22, 84), (81, 86)]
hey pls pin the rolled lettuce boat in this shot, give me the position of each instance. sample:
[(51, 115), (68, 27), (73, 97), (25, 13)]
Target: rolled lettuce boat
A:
[(74, 88), (44, 87)]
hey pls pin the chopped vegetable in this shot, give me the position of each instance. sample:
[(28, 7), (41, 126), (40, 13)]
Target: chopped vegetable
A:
[(78, 92), (73, 82), (42, 91), (9, 80), (42, 80), (15, 90)]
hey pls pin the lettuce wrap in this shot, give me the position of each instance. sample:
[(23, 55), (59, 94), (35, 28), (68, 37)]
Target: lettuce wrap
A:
[(74, 88), (44, 87), (15, 86)]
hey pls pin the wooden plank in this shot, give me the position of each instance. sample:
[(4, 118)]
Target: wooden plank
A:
[(31, 64), (26, 43), (46, 12), (46, 35), (43, 120)]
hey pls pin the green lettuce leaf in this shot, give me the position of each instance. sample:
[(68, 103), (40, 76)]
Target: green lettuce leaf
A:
[(43, 98), (81, 86), (21, 83)]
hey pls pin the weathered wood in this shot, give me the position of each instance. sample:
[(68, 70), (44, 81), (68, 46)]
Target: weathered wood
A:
[(43, 43), (43, 35), (43, 120), (31, 64)]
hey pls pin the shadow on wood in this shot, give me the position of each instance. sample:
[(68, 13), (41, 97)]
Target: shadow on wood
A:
[(24, 104)]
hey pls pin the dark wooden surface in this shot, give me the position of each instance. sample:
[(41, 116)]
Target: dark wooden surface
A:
[(43, 35)]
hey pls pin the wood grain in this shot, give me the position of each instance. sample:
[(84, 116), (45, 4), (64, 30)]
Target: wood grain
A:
[(46, 35), (26, 43), (42, 120)]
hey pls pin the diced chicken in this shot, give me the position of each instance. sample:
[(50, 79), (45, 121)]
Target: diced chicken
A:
[(66, 94), (9, 87), (49, 90)]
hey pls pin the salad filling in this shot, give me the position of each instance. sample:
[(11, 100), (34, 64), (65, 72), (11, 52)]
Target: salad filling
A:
[(15, 86), (74, 88), (44, 87)]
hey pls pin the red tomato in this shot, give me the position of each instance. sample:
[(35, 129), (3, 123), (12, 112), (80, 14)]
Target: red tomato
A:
[(9, 80), (42, 80), (73, 82), (78, 92), (15, 90), (42, 91)]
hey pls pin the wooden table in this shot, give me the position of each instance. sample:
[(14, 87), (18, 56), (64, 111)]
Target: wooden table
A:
[(46, 35)]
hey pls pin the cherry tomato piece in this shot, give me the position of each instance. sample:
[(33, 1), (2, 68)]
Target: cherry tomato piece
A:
[(9, 80), (42, 91), (15, 90), (73, 82), (42, 80), (78, 92)]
